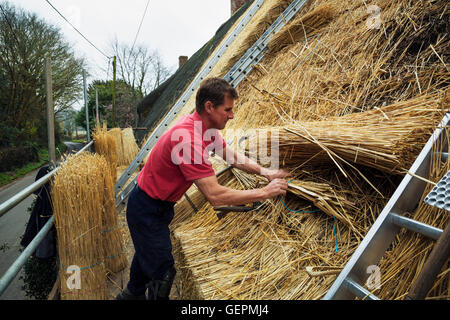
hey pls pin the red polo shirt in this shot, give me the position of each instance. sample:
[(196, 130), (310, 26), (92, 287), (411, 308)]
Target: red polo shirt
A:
[(179, 157)]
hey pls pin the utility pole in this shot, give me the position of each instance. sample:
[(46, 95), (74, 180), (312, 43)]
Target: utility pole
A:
[(50, 113), (86, 107), (96, 108), (114, 93)]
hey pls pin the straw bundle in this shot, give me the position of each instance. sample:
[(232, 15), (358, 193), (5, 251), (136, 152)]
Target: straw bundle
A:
[(388, 138), (113, 251), (324, 198), (126, 145), (77, 195), (116, 133), (130, 147), (87, 224), (105, 145)]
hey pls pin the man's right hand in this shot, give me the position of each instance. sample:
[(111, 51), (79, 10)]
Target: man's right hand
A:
[(276, 187)]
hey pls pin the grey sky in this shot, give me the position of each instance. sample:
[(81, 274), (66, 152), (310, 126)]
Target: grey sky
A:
[(174, 27)]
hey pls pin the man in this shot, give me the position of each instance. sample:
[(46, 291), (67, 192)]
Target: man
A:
[(179, 159)]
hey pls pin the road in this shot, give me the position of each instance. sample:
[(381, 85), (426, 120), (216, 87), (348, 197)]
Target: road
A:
[(73, 146), (12, 227)]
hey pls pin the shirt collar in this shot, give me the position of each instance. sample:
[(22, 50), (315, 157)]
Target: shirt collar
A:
[(197, 117)]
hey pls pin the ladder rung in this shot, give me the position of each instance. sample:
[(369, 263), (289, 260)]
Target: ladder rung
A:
[(416, 226), (359, 290)]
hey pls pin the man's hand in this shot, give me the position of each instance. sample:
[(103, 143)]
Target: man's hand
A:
[(274, 174), (276, 187)]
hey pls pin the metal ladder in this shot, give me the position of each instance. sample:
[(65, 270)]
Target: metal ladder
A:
[(382, 233), (185, 96), (237, 73)]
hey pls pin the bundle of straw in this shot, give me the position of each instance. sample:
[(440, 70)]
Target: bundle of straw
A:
[(126, 146), (116, 133), (113, 251), (77, 195), (105, 145), (388, 138), (130, 147), (324, 198)]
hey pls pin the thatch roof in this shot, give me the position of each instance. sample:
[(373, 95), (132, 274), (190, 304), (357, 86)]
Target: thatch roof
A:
[(354, 103)]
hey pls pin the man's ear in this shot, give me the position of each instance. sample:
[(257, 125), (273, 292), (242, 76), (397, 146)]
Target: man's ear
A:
[(209, 106)]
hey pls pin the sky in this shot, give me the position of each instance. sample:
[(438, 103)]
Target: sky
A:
[(173, 27)]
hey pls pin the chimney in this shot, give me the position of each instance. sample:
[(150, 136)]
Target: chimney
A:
[(236, 4), (182, 60)]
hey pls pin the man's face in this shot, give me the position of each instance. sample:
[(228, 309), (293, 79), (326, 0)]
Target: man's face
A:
[(219, 116)]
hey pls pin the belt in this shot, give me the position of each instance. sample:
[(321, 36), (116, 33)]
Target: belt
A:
[(158, 201)]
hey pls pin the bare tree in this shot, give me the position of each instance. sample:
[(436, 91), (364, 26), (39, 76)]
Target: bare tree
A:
[(143, 70), (160, 71)]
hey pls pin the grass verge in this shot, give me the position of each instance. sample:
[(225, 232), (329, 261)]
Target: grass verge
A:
[(9, 176)]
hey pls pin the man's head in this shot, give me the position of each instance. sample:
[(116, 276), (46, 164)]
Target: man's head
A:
[(215, 101)]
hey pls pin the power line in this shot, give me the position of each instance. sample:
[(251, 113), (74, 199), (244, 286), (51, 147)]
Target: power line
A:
[(76, 29), (140, 25)]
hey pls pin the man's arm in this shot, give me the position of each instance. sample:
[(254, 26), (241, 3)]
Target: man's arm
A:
[(218, 195), (240, 161)]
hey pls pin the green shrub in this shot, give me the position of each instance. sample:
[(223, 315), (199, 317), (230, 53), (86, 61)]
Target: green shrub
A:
[(16, 156), (39, 274), (39, 277)]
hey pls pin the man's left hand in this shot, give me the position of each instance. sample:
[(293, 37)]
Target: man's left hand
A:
[(274, 174)]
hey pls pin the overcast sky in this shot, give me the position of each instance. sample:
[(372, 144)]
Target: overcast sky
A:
[(173, 27)]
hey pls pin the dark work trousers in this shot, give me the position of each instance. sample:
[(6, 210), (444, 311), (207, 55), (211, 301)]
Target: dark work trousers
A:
[(148, 220)]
